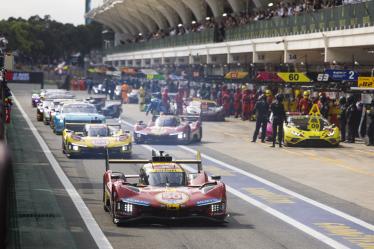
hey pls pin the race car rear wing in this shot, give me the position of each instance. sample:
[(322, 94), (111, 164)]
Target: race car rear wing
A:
[(155, 159)]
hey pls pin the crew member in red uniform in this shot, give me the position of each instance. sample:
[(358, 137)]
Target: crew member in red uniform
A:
[(246, 100), (305, 104), (238, 102), (252, 104), (226, 101), (165, 99)]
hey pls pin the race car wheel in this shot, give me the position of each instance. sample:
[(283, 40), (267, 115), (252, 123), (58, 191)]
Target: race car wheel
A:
[(105, 201), (188, 138), (63, 147), (113, 210), (200, 135)]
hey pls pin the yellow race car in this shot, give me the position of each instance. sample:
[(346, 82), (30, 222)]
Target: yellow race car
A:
[(96, 140), (310, 130)]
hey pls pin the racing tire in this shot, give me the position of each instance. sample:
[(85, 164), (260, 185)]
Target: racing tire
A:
[(113, 211), (63, 147), (188, 139), (200, 135), (105, 203)]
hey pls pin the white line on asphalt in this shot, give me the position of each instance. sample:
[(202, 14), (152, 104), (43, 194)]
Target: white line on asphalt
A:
[(319, 236), (92, 226), (280, 188), (285, 190)]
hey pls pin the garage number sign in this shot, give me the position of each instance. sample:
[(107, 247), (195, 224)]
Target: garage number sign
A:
[(366, 82), (342, 75), (294, 77)]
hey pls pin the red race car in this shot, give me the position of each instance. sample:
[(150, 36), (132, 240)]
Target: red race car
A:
[(166, 129), (163, 190)]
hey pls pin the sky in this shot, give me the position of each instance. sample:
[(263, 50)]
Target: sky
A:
[(66, 11)]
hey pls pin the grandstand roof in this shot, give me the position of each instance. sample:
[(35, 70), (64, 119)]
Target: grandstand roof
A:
[(144, 16)]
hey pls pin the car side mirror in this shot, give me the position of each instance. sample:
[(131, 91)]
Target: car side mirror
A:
[(216, 178)]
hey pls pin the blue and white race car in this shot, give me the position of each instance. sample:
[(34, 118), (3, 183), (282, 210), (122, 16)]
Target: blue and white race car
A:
[(76, 112)]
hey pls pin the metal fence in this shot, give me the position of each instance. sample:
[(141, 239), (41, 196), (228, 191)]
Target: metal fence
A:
[(337, 18)]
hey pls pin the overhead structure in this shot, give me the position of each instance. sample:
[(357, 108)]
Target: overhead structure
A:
[(131, 17)]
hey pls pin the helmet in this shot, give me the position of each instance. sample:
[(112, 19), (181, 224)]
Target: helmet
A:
[(342, 100), (306, 94), (267, 93)]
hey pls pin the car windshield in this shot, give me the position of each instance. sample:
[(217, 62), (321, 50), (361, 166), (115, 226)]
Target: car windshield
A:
[(97, 132), (79, 108), (162, 179), (167, 122), (303, 122)]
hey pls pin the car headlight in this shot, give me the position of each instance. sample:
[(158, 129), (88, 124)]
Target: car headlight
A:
[(295, 133), (126, 147), (75, 147), (125, 207), (217, 209), (180, 135)]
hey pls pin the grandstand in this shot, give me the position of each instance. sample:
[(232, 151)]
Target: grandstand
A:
[(149, 33)]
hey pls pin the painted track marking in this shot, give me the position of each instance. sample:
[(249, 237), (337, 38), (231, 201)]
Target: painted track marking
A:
[(285, 190), (90, 222), (277, 187)]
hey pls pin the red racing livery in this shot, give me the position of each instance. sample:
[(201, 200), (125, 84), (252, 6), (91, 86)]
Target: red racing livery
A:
[(163, 190)]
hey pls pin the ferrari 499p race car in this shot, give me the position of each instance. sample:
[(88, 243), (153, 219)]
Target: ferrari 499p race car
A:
[(163, 190), (167, 129), (96, 140)]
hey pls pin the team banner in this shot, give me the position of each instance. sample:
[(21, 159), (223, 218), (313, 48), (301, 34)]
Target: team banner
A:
[(24, 77), (366, 82), (340, 75), (270, 77), (294, 77)]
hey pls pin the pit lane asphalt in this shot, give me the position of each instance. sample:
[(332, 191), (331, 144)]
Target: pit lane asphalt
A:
[(248, 227)]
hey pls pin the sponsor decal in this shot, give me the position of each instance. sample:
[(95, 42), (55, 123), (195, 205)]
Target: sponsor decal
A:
[(172, 197), (207, 202), (100, 142), (137, 202)]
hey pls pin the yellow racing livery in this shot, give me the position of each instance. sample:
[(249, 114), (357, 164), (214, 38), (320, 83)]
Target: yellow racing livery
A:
[(310, 130), (96, 140)]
